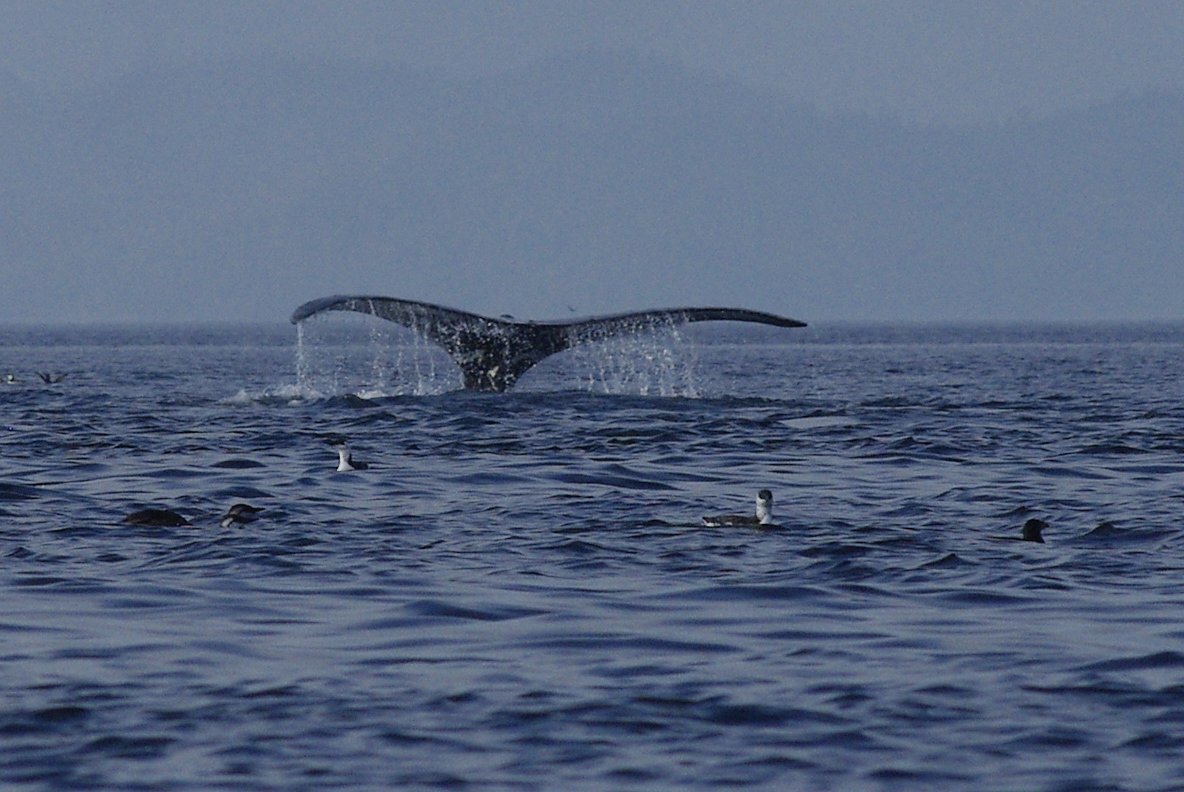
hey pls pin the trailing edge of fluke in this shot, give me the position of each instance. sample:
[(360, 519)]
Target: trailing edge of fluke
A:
[(494, 353)]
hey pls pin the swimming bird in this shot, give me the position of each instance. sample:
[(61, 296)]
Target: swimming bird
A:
[(763, 516), (156, 518), (240, 514), (345, 458), (1031, 532), (10, 379)]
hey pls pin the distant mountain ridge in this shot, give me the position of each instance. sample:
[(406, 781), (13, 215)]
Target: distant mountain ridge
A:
[(604, 181)]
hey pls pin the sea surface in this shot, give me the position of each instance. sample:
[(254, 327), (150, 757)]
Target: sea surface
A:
[(519, 594)]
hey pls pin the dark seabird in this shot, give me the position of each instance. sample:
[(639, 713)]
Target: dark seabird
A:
[(156, 518), (763, 516), (1031, 532), (240, 514)]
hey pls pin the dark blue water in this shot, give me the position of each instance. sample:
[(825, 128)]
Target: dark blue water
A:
[(518, 593)]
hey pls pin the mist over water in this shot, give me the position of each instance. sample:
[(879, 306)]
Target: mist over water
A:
[(519, 593)]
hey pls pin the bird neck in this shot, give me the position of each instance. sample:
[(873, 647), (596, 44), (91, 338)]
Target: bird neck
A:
[(764, 513)]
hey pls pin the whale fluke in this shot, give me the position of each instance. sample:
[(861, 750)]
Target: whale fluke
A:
[(494, 353)]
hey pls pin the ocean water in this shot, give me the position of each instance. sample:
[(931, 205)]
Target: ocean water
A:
[(518, 594)]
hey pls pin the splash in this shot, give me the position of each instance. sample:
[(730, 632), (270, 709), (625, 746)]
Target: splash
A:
[(657, 362), (370, 358), (279, 395), (354, 353)]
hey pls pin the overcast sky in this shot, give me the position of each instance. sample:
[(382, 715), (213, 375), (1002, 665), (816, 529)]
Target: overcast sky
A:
[(980, 166), (921, 60)]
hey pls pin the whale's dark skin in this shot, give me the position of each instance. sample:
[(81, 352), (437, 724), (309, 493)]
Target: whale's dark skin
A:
[(494, 353)]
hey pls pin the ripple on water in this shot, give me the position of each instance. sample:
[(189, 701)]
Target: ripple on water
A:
[(518, 594)]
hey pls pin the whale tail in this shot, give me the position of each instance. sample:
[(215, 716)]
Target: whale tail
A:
[(494, 353)]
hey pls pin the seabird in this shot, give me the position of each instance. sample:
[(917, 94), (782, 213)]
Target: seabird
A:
[(156, 518), (345, 459), (240, 514), (1031, 532), (1032, 529), (763, 516)]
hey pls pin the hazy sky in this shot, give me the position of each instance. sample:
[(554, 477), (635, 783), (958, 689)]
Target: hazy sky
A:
[(921, 59), (147, 200)]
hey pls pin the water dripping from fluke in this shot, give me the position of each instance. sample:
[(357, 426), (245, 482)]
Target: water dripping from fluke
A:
[(493, 354)]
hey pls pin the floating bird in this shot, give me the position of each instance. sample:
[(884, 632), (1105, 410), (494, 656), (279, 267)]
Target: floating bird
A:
[(156, 518), (10, 379), (345, 458), (240, 514), (763, 516), (1031, 532)]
